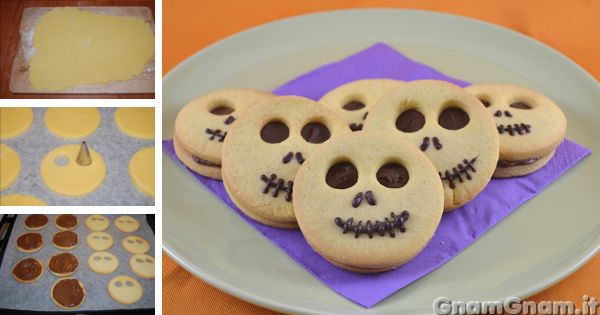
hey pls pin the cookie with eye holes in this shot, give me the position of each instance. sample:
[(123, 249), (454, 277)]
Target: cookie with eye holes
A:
[(142, 265), (202, 124), (265, 148), (127, 224), (103, 263), (99, 241), (125, 290), (530, 126), (368, 201), (352, 101), (97, 222), (449, 125), (136, 245)]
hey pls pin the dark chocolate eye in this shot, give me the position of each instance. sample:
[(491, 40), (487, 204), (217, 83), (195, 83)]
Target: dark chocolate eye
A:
[(453, 118), (520, 105), (410, 121), (342, 175), (485, 103), (354, 105), (274, 132), (392, 175), (221, 110), (315, 132)]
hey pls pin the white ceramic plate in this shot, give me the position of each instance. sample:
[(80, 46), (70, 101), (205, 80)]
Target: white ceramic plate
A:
[(537, 245)]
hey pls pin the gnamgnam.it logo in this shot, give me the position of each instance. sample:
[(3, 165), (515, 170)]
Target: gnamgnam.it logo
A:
[(513, 305)]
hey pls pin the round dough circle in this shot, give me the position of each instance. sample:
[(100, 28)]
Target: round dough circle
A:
[(10, 166), (127, 224), (72, 122), (137, 122), (21, 200), (135, 244), (99, 241), (141, 170), (142, 265), (125, 294), (97, 222), (14, 121), (72, 180), (103, 266)]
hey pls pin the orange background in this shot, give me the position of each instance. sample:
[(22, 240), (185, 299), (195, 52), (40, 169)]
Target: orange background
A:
[(570, 27)]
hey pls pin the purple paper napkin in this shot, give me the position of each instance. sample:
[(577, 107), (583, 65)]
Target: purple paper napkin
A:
[(457, 229)]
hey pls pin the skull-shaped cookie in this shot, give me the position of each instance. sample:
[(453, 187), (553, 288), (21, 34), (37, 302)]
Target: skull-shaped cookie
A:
[(202, 125), (450, 126), (265, 148), (353, 100), (368, 201), (529, 124)]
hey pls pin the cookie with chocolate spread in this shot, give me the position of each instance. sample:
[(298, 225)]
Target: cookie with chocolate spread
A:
[(97, 222), (28, 270), (29, 242), (66, 222), (264, 149), (368, 201), (202, 124), (352, 101), (68, 293), (449, 125), (65, 240), (36, 222), (63, 264), (529, 124)]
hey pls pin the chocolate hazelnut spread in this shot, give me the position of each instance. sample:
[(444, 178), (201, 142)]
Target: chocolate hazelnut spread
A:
[(27, 269), (36, 221), (66, 221), (65, 239), (63, 263), (68, 292), (30, 241), (505, 163), (204, 162)]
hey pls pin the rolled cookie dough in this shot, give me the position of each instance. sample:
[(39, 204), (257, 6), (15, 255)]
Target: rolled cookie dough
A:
[(20, 200), (136, 121), (79, 47), (72, 122), (14, 121), (10, 166), (72, 180), (141, 170)]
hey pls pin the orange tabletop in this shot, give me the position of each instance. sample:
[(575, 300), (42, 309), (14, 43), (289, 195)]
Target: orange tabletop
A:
[(570, 27)]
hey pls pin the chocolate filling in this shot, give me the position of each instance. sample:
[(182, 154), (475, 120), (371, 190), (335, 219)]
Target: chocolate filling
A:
[(66, 221), (30, 241), (36, 221), (342, 175), (354, 105), (392, 175), (506, 163), (205, 162), (63, 263), (28, 269), (68, 292), (65, 239)]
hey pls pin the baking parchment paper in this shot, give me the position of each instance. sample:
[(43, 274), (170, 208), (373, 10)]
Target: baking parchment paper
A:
[(36, 296), (114, 146)]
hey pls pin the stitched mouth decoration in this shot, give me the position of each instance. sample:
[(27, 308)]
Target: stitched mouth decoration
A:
[(279, 185), (521, 129), (458, 172), (379, 227)]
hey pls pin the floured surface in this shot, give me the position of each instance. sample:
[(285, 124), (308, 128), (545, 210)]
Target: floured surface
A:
[(20, 77)]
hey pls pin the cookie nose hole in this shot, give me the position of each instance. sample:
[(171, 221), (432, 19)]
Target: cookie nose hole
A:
[(140, 261), (97, 258), (96, 237), (453, 118), (61, 161), (354, 105), (107, 258), (104, 238), (392, 175), (150, 261), (222, 110), (342, 175), (410, 121), (129, 284), (315, 132), (274, 132), (118, 284)]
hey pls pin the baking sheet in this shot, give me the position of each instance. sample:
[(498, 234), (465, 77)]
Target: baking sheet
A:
[(36, 296), (115, 147)]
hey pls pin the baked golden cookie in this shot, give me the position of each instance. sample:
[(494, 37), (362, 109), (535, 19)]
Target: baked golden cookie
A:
[(352, 101), (68, 293), (63, 264), (142, 265), (368, 201), (28, 270), (65, 240), (103, 262), (29, 242), (66, 222), (202, 124), (36, 222), (125, 290), (127, 224), (99, 241), (97, 222), (264, 149), (450, 126), (529, 124), (136, 245)]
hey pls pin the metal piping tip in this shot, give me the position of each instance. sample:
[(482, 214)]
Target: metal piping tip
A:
[(84, 158)]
